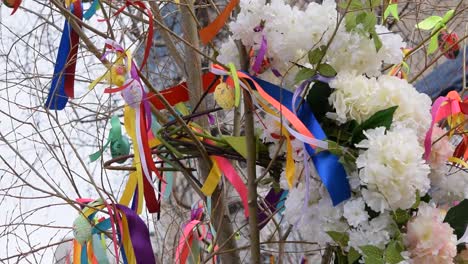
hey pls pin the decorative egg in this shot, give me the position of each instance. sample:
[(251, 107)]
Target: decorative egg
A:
[(82, 229), (224, 96), (120, 147), (448, 44), (117, 75), (133, 94), (9, 3)]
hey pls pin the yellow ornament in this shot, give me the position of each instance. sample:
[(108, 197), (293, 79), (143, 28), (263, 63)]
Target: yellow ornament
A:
[(224, 96), (117, 75)]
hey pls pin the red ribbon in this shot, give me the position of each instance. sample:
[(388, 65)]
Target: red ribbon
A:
[(179, 93), (149, 39), (69, 73)]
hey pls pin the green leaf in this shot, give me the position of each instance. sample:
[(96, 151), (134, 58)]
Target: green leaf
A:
[(238, 144), (457, 218), (326, 70), (429, 23), (447, 16), (373, 260), (372, 254), (372, 251), (377, 41), (304, 74), (354, 5), (393, 253), (353, 256), (392, 9), (434, 44), (368, 21), (381, 118), (401, 216), (317, 98), (316, 55), (340, 238), (350, 22)]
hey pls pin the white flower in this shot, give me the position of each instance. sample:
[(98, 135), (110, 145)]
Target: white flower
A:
[(353, 97), (376, 232), (392, 165), (392, 43), (318, 217), (413, 107), (354, 51), (228, 52), (354, 211), (449, 184), (357, 98)]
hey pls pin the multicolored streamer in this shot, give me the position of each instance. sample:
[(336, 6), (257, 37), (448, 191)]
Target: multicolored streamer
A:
[(328, 167), (63, 80)]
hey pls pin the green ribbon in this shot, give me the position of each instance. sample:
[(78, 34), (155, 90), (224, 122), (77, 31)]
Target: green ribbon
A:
[(119, 143)]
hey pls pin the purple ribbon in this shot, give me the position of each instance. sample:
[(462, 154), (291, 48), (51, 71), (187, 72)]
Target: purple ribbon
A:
[(260, 55), (271, 200), (139, 236)]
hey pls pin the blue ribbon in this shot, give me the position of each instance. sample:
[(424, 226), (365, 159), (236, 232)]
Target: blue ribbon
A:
[(92, 10), (330, 170), (57, 99)]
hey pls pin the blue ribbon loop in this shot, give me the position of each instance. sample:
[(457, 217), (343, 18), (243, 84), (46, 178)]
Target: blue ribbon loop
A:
[(330, 170), (57, 99), (92, 10)]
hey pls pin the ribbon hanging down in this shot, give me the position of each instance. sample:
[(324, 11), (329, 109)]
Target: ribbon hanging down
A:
[(308, 129), (63, 80), (209, 32)]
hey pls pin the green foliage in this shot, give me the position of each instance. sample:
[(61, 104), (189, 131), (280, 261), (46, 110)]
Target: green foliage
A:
[(353, 256), (304, 74), (392, 9), (392, 254), (326, 70), (429, 23), (381, 118), (317, 98), (317, 54), (401, 216), (340, 238), (367, 20), (457, 218), (372, 254)]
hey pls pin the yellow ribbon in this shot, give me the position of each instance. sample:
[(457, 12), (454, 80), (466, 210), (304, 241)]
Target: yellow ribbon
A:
[(212, 180)]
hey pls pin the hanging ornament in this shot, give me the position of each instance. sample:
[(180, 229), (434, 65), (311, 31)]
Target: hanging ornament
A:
[(15, 4), (119, 144), (126, 229), (63, 80), (137, 119), (448, 44), (224, 96)]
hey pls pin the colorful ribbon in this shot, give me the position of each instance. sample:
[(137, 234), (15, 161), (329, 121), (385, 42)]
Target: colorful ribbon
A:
[(63, 80), (92, 10), (308, 129), (209, 32)]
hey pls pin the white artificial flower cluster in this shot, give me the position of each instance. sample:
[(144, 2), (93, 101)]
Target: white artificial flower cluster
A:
[(356, 97), (390, 172), (291, 32), (318, 217), (392, 169)]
